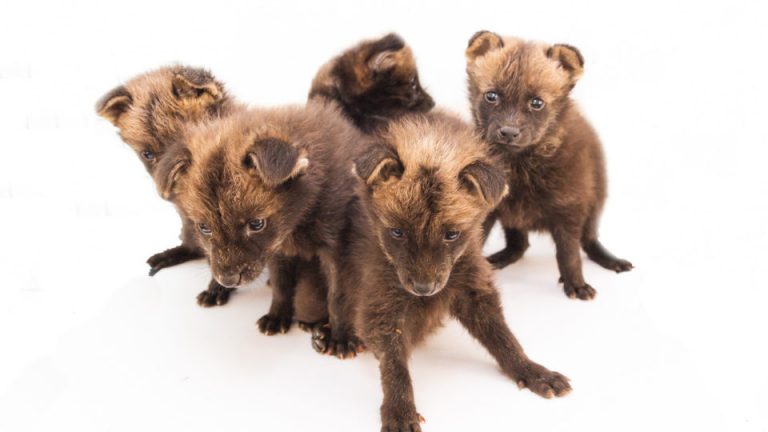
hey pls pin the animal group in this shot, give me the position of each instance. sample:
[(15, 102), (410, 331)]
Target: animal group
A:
[(368, 206)]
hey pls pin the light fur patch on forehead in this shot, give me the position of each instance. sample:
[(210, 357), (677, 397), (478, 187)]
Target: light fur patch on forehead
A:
[(433, 149), (518, 66)]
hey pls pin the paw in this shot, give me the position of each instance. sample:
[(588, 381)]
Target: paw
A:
[(620, 265), (170, 258), (307, 326), (504, 257), (405, 424), (214, 297), (581, 292), (343, 347), (542, 381), (271, 325)]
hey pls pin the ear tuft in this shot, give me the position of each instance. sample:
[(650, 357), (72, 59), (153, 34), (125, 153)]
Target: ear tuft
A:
[(167, 175), (193, 83), (481, 43), (275, 161), (378, 165), (569, 59), (114, 104), (485, 181)]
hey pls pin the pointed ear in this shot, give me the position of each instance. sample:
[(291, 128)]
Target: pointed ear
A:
[(569, 59), (481, 43), (378, 165), (275, 161), (167, 174), (114, 104), (485, 181), (388, 52), (191, 83)]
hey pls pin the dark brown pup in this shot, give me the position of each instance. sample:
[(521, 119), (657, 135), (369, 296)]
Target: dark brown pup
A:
[(373, 82), (268, 188), (151, 111), (520, 99), (414, 256)]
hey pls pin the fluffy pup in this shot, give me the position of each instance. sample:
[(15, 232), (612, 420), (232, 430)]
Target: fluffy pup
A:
[(414, 256), (519, 94), (373, 82), (151, 112)]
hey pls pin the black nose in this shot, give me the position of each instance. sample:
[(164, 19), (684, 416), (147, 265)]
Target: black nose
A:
[(508, 133), (424, 288), (230, 280)]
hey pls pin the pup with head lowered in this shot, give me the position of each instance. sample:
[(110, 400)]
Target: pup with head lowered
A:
[(413, 256)]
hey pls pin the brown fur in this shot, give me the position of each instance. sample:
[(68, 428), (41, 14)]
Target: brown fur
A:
[(373, 82), (151, 112), (287, 169), (430, 179), (553, 158)]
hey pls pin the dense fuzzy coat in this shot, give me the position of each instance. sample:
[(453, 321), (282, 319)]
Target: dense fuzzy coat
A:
[(268, 188), (414, 256), (151, 112), (373, 82), (519, 96)]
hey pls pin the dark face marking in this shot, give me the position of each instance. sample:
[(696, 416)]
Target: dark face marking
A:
[(420, 241)]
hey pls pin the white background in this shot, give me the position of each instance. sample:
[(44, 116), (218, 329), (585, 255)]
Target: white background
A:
[(90, 342)]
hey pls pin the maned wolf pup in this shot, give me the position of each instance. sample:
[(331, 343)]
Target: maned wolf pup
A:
[(268, 188), (414, 256), (373, 82), (151, 111), (519, 95)]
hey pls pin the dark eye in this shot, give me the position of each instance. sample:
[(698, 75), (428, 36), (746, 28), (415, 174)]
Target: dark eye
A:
[(396, 233), (257, 225), (537, 104), (148, 155), (204, 229), (491, 97), (452, 235)]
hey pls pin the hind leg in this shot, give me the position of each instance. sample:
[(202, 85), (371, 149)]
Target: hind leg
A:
[(597, 252), (516, 245)]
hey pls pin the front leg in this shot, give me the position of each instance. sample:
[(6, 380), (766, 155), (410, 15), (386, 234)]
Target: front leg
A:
[(515, 247), (398, 410), (283, 278), (187, 251), (337, 336), (567, 239), (215, 295), (479, 311), (173, 256)]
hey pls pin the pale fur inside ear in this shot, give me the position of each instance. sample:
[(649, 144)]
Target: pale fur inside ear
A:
[(383, 171), (301, 166), (481, 43), (185, 88), (383, 61)]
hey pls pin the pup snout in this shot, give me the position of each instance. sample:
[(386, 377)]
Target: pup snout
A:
[(424, 288), (508, 134), (230, 280)]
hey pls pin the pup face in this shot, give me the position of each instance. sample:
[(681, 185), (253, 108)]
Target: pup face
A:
[(243, 188), (380, 77), (517, 89), (428, 193), (150, 110)]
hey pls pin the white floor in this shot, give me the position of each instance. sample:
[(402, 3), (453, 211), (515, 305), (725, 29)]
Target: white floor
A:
[(91, 343)]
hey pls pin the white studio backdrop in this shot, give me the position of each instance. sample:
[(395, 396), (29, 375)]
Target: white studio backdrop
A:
[(677, 92)]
